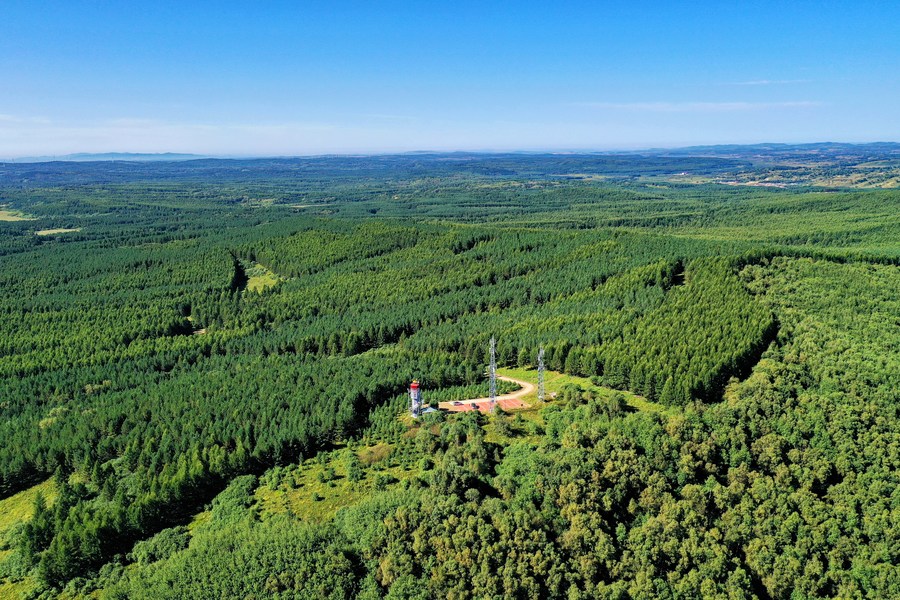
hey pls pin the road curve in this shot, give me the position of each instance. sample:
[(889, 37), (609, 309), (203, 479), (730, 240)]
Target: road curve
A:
[(504, 400)]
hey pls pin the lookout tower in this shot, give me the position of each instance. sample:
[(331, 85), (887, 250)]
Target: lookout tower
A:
[(415, 399)]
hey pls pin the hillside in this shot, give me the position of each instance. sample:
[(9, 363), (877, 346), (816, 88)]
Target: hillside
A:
[(206, 377)]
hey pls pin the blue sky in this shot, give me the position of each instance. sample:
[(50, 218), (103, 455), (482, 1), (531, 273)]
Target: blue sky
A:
[(268, 78)]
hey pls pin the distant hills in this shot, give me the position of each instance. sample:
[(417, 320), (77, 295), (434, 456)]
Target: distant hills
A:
[(819, 149), (813, 151), (110, 156), (830, 165)]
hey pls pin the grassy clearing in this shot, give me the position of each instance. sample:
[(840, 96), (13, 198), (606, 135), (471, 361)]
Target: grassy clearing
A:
[(316, 489), (14, 510), (56, 231), (260, 278), (555, 382), (18, 589), (13, 215), (18, 508)]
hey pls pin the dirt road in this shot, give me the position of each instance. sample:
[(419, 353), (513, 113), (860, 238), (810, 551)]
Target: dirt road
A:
[(509, 401)]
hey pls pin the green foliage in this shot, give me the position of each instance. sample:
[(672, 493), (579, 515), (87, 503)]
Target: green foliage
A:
[(274, 559), (161, 546), (231, 504), (136, 364), (721, 329)]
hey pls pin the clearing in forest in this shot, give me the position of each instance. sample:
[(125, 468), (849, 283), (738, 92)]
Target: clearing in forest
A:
[(13, 215), (314, 490), (19, 507), (512, 401), (555, 382), (15, 510), (260, 278), (55, 231)]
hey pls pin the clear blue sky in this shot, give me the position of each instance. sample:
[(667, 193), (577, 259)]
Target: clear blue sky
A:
[(267, 78)]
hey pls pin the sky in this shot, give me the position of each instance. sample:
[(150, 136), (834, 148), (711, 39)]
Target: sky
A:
[(297, 78)]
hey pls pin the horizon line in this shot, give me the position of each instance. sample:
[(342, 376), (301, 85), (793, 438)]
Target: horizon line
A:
[(485, 151)]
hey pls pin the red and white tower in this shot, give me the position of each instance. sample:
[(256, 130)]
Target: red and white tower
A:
[(415, 399)]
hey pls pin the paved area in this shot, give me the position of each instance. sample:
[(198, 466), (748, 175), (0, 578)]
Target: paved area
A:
[(510, 401)]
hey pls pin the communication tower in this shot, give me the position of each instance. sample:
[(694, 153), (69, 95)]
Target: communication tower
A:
[(493, 373), (415, 399), (541, 374)]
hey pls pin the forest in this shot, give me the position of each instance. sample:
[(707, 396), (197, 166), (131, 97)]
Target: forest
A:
[(203, 369)]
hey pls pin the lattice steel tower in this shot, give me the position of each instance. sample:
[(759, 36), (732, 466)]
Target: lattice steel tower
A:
[(541, 374), (493, 373)]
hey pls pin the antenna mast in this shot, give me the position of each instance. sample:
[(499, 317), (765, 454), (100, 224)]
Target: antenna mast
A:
[(541, 374), (493, 373)]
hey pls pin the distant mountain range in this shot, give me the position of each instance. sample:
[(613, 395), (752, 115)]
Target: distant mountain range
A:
[(109, 156), (814, 151)]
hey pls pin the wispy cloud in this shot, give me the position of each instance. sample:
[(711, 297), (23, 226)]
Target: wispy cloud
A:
[(389, 117), (25, 136), (769, 82), (674, 107), (7, 118)]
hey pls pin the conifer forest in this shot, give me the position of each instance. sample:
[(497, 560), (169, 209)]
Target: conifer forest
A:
[(204, 373)]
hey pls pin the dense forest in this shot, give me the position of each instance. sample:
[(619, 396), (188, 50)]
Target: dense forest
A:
[(185, 345)]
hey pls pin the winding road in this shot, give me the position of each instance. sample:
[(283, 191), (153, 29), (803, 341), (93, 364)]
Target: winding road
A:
[(509, 401)]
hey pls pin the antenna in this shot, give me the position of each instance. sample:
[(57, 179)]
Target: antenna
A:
[(493, 373), (541, 374)]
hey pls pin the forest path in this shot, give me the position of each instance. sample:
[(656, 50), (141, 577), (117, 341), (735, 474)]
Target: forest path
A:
[(505, 401)]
